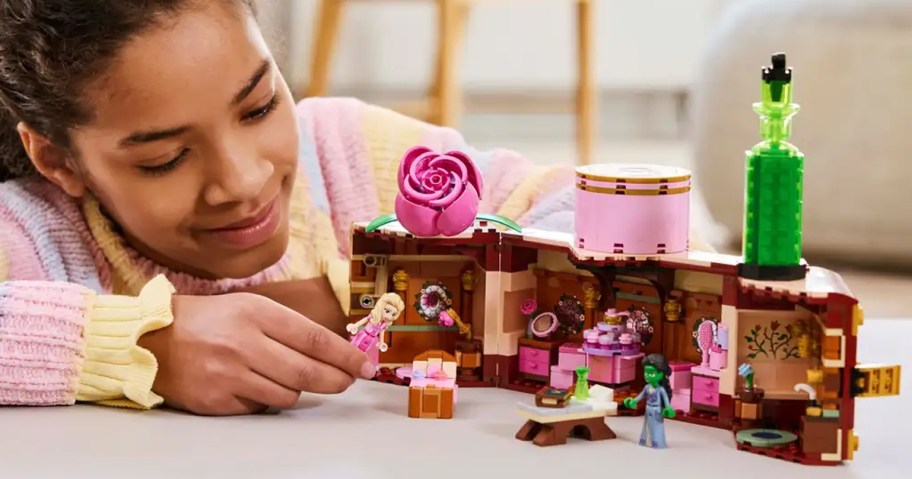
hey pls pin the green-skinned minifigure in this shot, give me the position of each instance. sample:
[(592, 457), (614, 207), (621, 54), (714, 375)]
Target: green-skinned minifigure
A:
[(658, 400)]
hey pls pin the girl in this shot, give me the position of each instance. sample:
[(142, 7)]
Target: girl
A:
[(658, 400), (160, 192), (387, 310)]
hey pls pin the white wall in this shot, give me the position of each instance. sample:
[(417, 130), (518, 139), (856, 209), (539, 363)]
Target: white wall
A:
[(389, 44)]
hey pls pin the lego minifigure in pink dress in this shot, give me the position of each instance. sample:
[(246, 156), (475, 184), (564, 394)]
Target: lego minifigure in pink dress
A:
[(387, 310)]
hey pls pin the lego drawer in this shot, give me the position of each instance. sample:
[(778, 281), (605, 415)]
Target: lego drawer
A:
[(535, 355), (431, 402), (680, 375), (703, 383), (571, 359), (680, 380), (536, 368), (603, 369), (704, 397)]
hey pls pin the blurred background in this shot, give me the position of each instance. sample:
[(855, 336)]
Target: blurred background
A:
[(654, 81)]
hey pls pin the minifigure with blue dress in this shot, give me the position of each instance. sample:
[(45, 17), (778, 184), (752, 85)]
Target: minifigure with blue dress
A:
[(658, 400)]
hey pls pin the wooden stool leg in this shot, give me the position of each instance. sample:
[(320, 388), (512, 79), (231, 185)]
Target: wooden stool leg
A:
[(553, 434), (528, 431), (593, 429), (329, 17), (446, 98), (585, 96)]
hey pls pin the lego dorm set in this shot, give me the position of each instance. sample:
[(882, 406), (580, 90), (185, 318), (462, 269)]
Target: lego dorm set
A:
[(761, 344)]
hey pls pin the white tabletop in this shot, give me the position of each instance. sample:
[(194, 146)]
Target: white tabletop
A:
[(365, 433)]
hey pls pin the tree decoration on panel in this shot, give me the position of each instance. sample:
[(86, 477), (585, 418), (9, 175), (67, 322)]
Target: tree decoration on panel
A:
[(771, 342), (433, 298), (640, 321), (439, 195), (571, 314)]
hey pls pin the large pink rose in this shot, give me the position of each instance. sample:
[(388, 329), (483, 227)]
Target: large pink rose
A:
[(438, 193)]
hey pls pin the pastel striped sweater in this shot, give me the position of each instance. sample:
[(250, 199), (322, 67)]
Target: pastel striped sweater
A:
[(74, 296)]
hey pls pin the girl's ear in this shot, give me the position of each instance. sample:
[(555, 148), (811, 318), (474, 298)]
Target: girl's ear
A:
[(53, 162)]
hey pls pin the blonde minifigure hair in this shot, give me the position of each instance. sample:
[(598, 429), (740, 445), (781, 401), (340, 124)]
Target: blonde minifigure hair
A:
[(391, 299)]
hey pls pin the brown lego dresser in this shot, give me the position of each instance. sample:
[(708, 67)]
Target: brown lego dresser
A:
[(430, 402)]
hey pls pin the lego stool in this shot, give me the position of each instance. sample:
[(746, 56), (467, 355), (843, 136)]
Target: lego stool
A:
[(550, 427), (443, 101)]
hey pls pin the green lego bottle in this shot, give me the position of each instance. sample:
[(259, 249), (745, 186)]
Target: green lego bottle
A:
[(773, 185), (582, 383)]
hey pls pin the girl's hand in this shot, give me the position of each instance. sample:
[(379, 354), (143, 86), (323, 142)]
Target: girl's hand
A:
[(242, 353), (668, 412)]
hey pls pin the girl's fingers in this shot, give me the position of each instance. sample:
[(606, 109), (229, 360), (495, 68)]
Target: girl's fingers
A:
[(309, 338), (254, 389), (298, 372)]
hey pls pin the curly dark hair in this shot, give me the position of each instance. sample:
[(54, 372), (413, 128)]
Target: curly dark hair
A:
[(50, 50)]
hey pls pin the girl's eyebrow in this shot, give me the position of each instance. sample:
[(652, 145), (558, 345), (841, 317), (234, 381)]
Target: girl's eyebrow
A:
[(150, 136), (252, 82), (156, 135)]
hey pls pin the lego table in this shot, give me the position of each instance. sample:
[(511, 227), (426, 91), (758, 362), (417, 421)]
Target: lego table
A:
[(364, 433)]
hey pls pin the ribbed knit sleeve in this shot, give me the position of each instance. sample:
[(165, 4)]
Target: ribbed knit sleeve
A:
[(61, 343)]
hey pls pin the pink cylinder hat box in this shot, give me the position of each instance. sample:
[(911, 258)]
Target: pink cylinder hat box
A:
[(632, 208)]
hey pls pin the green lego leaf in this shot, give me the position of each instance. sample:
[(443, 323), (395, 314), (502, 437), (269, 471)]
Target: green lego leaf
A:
[(380, 222), (384, 220), (499, 220)]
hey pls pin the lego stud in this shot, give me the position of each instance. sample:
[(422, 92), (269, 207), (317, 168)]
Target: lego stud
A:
[(439, 194)]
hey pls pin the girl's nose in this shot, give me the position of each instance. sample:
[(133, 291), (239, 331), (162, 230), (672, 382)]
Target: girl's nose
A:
[(237, 179)]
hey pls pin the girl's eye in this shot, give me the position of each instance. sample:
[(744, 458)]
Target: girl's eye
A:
[(166, 167), (262, 111)]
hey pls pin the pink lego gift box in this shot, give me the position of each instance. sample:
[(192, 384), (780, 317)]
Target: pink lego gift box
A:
[(571, 356), (680, 400), (680, 374), (632, 208), (562, 378)]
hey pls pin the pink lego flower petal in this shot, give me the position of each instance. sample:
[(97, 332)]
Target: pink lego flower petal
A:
[(410, 156), (417, 219), (452, 164), (445, 319), (435, 180), (412, 185), (408, 159), (418, 194), (460, 214), (453, 193), (474, 174)]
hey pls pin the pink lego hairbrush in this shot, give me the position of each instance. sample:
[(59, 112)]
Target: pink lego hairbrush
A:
[(438, 195)]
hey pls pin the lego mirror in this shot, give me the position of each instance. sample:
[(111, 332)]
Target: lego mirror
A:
[(543, 325)]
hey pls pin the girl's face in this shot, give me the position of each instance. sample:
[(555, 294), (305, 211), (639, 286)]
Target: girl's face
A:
[(652, 375), (389, 312), (192, 149)]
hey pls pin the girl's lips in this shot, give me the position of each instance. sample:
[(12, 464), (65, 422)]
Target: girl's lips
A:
[(250, 232)]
